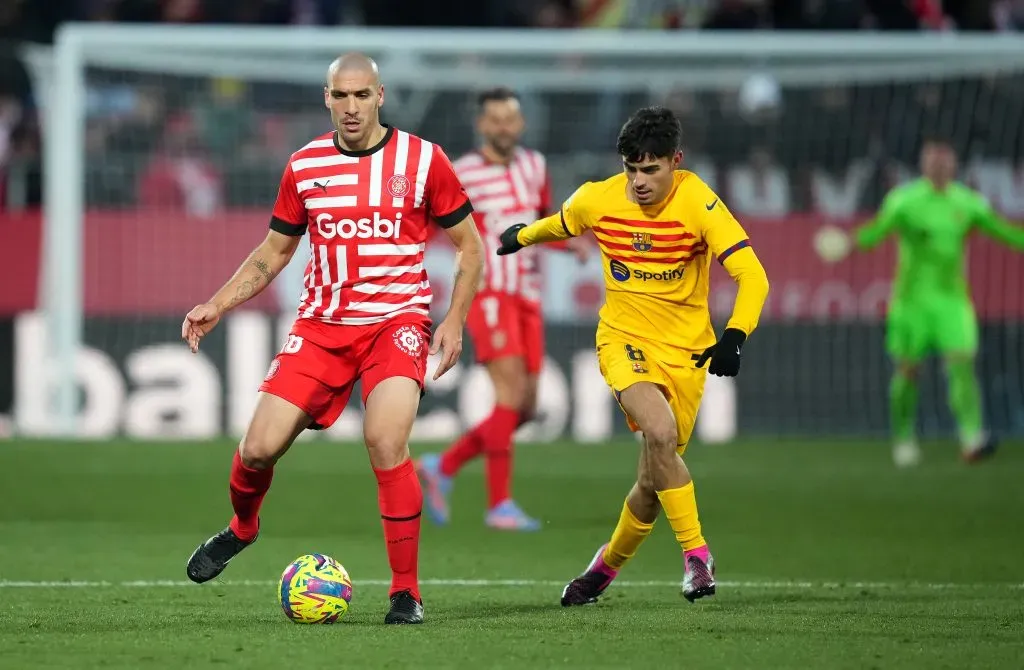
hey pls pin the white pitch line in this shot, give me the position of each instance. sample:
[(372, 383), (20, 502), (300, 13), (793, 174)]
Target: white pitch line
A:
[(767, 584)]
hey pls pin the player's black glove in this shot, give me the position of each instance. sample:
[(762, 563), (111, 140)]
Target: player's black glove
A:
[(724, 354), (510, 240)]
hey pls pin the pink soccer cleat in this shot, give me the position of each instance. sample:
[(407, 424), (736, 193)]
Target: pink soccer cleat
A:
[(586, 588), (699, 577)]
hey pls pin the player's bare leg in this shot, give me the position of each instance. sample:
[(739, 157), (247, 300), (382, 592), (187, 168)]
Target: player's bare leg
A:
[(667, 474), (663, 482), (390, 412), (903, 414), (965, 404), (530, 412), (274, 426)]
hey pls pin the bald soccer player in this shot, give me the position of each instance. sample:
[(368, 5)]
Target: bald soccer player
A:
[(367, 193)]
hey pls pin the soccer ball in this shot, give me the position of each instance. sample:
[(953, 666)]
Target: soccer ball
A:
[(315, 589), (832, 243)]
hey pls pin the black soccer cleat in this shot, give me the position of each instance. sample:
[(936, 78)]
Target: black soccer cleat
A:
[(211, 557), (985, 451), (404, 609), (584, 590), (588, 587)]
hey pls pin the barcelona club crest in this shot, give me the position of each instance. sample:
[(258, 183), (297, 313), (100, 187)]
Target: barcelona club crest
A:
[(642, 242)]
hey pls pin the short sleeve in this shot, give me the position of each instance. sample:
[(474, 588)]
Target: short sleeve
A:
[(446, 198), (720, 230), (575, 214), (289, 217)]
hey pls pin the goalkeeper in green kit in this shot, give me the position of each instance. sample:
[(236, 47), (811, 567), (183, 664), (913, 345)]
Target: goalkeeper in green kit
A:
[(931, 308)]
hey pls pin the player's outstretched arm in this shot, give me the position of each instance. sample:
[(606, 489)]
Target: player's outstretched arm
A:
[(469, 253), (571, 221), (264, 263), (998, 228), (548, 229), (871, 234)]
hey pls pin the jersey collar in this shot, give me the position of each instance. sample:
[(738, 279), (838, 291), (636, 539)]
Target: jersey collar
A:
[(389, 132)]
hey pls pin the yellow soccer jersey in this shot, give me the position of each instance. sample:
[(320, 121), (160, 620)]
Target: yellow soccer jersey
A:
[(657, 258)]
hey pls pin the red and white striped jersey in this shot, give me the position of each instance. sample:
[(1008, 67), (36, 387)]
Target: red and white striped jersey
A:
[(504, 195), (368, 214)]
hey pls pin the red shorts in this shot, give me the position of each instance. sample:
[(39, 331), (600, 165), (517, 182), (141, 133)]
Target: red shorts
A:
[(320, 363), (506, 325)]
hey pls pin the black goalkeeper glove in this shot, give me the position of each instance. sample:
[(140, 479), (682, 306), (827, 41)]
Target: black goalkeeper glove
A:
[(510, 240), (724, 354)]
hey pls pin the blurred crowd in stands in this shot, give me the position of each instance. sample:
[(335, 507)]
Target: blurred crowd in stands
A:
[(205, 143), (36, 19)]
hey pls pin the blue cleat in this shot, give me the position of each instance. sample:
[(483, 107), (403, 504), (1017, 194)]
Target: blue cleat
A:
[(436, 488), (507, 516)]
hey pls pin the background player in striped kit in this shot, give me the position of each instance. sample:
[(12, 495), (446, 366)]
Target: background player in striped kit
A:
[(367, 194), (508, 184)]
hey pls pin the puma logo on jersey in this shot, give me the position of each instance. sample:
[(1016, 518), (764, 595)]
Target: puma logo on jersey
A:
[(323, 186)]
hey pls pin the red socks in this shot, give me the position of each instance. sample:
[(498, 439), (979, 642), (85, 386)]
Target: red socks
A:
[(398, 495), (466, 449), (401, 501), (501, 426), (248, 486), (492, 437)]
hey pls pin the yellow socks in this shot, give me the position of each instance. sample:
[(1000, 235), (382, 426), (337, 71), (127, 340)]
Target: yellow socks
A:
[(629, 534), (680, 507)]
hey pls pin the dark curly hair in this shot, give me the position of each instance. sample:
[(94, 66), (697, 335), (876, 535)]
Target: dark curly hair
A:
[(652, 132)]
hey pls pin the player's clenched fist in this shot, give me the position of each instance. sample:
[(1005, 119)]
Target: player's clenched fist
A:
[(447, 340), (198, 323), (510, 240), (724, 354)]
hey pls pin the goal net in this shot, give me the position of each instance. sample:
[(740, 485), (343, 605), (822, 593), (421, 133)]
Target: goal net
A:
[(166, 145)]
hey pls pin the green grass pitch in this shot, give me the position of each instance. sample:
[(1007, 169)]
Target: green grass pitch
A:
[(828, 558)]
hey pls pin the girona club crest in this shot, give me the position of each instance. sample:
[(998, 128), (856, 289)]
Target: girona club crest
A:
[(409, 340), (398, 186), (275, 365)]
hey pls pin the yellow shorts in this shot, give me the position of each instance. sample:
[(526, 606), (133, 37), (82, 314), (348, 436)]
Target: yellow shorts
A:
[(624, 361)]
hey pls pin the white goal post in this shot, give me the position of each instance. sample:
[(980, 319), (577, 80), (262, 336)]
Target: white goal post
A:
[(425, 65)]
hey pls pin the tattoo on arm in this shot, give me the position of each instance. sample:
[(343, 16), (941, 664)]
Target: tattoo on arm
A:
[(248, 287), (264, 269)]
